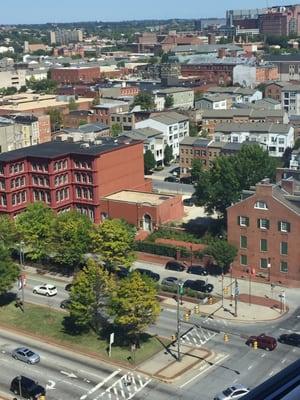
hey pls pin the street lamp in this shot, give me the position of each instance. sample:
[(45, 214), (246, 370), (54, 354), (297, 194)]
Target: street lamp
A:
[(179, 293), (21, 245), (269, 269)]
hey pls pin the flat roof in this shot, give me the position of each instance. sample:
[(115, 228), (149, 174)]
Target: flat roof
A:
[(22, 107), (127, 196)]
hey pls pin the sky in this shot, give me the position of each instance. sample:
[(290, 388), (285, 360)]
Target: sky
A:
[(41, 11)]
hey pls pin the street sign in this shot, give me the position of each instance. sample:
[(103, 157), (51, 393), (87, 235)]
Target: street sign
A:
[(236, 290), (112, 338)]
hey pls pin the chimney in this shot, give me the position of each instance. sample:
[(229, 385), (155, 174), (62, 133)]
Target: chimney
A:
[(288, 185), (222, 52), (264, 187), (211, 38)]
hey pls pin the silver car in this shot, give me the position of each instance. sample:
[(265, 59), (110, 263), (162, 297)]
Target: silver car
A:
[(26, 355), (233, 393)]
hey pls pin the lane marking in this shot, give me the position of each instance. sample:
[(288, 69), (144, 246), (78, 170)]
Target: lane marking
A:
[(100, 384), (205, 370), (51, 385), (271, 373), (283, 361), (250, 367), (263, 355)]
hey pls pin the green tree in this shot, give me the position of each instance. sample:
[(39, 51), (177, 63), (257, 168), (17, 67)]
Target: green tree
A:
[(134, 305), (73, 106), (144, 100), (198, 96), (35, 228), (116, 129), (149, 161), (71, 238), (193, 130), (23, 89), (8, 232), (169, 101), (96, 100), (56, 119), (90, 296), (297, 144), (222, 252), (9, 271), (168, 154), (114, 240), (286, 157), (42, 86)]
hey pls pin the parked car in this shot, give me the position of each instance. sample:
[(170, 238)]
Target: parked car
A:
[(148, 273), (187, 180), (68, 287), (171, 179), (65, 304), (122, 272), (26, 355), (175, 171), (233, 393), (29, 388), (189, 202), (197, 270), (175, 266), (45, 289), (170, 281), (263, 342), (199, 285), (292, 339)]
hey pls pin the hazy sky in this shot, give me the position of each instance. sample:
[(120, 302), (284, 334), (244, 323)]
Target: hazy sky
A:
[(39, 11)]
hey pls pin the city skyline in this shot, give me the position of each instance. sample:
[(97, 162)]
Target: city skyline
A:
[(56, 12)]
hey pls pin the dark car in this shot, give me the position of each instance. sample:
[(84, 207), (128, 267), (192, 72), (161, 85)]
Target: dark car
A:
[(189, 202), (197, 270), (175, 266), (263, 342), (122, 272), (65, 304), (199, 285), (171, 179), (148, 273), (29, 388), (68, 287), (292, 339), (175, 171), (170, 281), (187, 180)]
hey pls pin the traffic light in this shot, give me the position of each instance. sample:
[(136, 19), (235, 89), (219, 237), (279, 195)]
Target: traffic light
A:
[(197, 309), (255, 345), (226, 291), (226, 338), (173, 338), (186, 316), (210, 301)]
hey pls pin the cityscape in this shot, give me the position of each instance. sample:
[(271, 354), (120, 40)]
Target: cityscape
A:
[(150, 201)]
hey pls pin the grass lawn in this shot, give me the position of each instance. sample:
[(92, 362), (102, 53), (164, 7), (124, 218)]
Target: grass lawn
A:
[(47, 323)]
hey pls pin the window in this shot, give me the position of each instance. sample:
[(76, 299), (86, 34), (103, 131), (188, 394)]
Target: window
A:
[(243, 221), (284, 226), (284, 248), (263, 245), (261, 205), (283, 266), (244, 259), (243, 242), (263, 223), (264, 263)]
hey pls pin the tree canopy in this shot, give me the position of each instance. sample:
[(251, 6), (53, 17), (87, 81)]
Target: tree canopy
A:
[(8, 232), (144, 100), (9, 271), (134, 305), (149, 161), (169, 101), (113, 240), (222, 252), (168, 154)]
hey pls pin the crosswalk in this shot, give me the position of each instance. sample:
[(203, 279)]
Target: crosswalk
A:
[(197, 336)]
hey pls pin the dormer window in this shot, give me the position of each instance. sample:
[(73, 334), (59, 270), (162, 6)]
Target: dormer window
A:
[(261, 205)]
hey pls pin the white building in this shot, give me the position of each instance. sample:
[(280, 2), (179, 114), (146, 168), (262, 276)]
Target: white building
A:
[(273, 137), (13, 78), (214, 102), (172, 125), (290, 99), (238, 94)]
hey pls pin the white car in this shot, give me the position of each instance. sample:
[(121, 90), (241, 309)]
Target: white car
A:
[(233, 393), (45, 289)]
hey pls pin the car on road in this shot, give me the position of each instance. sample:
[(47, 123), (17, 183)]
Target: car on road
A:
[(233, 393), (65, 304), (292, 339), (175, 266), (187, 180), (171, 179), (150, 274), (26, 355), (197, 270), (264, 341), (198, 285), (45, 289), (175, 171), (30, 389), (170, 281), (189, 202), (68, 287)]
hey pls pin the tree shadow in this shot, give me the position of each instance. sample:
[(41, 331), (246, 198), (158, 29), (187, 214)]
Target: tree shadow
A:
[(70, 327), (202, 226), (7, 299)]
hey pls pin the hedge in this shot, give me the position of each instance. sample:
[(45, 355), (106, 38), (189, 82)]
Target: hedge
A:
[(156, 248)]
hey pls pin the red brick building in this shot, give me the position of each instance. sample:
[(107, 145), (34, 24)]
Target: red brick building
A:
[(70, 75), (79, 176), (265, 228), (218, 73)]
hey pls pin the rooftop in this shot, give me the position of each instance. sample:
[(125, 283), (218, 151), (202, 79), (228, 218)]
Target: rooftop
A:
[(142, 133), (232, 90), (169, 118), (41, 103), (206, 48), (174, 90), (148, 199), (54, 149), (259, 127), (247, 112)]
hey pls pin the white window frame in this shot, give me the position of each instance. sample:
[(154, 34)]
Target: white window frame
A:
[(261, 205)]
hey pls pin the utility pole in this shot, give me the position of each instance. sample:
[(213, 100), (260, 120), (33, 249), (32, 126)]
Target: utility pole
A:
[(22, 276), (222, 287), (236, 293), (179, 293)]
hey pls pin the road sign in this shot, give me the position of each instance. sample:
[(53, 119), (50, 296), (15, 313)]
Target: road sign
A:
[(112, 338), (236, 291)]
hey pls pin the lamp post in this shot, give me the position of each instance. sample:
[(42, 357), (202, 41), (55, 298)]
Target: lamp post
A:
[(179, 293), (21, 245), (251, 272), (269, 269), (191, 248)]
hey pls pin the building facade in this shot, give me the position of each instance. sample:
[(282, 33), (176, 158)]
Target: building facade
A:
[(182, 97), (73, 75), (265, 228)]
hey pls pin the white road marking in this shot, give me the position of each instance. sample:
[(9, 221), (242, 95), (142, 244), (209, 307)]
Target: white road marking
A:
[(69, 374), (205, 370), (263, 355), (51, 385), (83, 371), (250, 367), (100, 384), (271, 373), (283, 361)]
